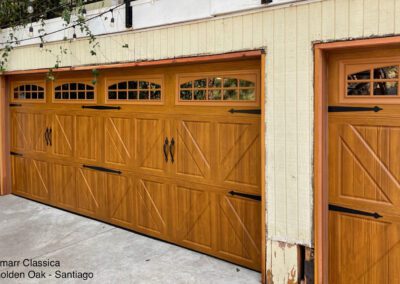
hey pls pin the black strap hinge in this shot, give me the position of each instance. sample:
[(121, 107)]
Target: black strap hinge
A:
[(249, 111), (102, 107), (245, 195), (354, 211), (101, 169), (353, 109), (16, 154), (15, 105)]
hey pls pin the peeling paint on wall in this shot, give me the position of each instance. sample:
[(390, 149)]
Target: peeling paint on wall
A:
[(282, 262)]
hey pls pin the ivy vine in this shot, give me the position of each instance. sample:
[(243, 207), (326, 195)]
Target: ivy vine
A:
[(15, 16)]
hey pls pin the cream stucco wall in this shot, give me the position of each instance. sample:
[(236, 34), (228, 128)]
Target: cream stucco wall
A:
[(286, 33)]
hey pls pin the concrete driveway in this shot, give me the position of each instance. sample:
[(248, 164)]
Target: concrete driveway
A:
[(44, 235)]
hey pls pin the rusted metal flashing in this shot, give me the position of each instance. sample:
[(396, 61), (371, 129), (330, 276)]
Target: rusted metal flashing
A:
[(181, 60)]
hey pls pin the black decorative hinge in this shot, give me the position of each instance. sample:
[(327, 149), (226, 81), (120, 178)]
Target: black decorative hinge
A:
[(16, 154), (249, 111), (102, 107), (353, 109), (246, 195), (266, 1), (354, 211), (15, 105), (101, 169)]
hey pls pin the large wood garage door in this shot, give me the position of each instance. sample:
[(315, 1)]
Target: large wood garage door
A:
[(162, 151), (364, 166)]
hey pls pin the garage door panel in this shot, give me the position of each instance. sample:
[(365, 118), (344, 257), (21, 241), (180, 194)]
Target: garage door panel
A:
[(119, 141), (363, 176), (63, 135), (19, 175), (157, 154), (40, 182), (88, 139), (120, 199), (239, 229), (91, 192), (193, 148), (19, 131), (153, 206), (363, 255), (150, 138), (195, 217), (38, 127), (239, 152), (64, 190), (365, 171)]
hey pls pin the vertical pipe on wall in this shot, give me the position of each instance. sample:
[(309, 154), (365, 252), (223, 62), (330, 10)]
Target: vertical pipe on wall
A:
[(128, 14)]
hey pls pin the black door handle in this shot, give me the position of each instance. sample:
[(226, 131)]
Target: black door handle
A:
[(165, 148), (50, 138), (172, 150), (46, 136)]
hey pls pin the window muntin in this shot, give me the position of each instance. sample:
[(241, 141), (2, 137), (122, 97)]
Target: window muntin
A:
[(74, 91), (225, 88), (135, 90), (365, 81), (28, 91)]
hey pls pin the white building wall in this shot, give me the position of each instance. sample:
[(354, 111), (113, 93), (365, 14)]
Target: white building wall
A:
[(287, 33)]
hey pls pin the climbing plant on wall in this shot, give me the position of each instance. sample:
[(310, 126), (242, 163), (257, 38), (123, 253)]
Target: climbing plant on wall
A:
[(17, 15)]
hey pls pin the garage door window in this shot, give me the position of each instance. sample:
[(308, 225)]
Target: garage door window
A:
[(370, 82), (74, 92), (135, 90), (28, 92), (229, 88)]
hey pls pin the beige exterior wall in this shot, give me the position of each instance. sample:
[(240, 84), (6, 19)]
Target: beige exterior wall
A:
[(287, 33)]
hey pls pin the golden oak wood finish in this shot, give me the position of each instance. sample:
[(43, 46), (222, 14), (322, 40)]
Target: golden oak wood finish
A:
[(181, 195), (364, 174)]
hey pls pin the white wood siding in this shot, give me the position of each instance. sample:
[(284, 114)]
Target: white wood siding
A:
[(287, 33)]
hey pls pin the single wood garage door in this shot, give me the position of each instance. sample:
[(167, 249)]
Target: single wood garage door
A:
[(170, 152), (364, 166)]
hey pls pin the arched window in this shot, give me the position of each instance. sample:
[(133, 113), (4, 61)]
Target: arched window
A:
[(74, 91), (370, 82), (28, 91), (218, 88), (135, 90)]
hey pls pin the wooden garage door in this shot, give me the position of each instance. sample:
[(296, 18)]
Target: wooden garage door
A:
[(364, 167), (162, 151)]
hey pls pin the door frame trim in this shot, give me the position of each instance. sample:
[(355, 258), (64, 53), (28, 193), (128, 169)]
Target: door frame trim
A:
[(5, 181), (263, 163), (320, 161)]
